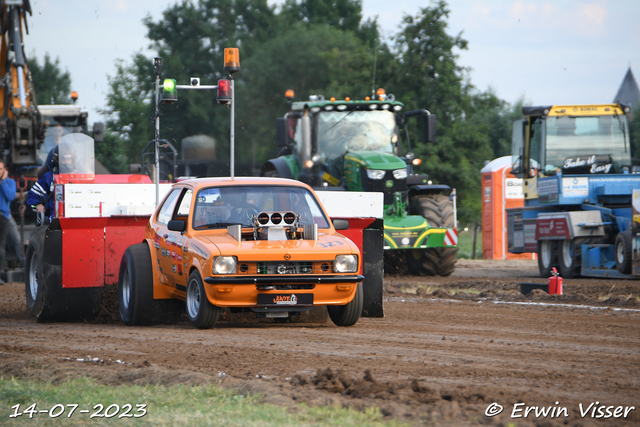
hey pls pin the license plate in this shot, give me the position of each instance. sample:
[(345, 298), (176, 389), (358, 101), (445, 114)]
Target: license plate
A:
[(284, 300)]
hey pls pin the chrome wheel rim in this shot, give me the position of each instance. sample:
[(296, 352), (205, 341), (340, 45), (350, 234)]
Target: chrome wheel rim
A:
[(620, 253), (193, 299), (545, 253), (566, 253), (126, 289), (33, 276)]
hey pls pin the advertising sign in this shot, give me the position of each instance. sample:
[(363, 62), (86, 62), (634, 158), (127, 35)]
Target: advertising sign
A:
[(556, 228)]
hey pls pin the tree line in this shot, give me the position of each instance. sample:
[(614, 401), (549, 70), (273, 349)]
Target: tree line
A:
[(313, 47)]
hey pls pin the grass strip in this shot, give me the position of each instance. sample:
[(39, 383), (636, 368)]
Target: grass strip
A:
[(176, 405)]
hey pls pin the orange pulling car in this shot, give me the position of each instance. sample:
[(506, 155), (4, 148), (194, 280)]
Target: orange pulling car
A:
[(249, 244)]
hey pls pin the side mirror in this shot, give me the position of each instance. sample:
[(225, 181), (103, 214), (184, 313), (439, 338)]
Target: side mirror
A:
[(98, 132), (340, 224), (177, 225), (430, 129), (281, 131)]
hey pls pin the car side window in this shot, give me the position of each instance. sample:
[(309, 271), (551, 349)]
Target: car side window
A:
[(185, 203), (164, 215)]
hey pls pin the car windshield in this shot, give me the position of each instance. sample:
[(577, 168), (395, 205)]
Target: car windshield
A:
[(218, 207), (570, 138), (342, 131)]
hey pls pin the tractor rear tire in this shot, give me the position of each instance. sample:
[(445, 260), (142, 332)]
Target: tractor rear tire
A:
[(623, 252), (437, 209), (348, 314), (135, 291), (272, 173)]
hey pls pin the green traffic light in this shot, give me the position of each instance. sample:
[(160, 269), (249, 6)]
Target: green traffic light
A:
[(169, 92), (169, 85)]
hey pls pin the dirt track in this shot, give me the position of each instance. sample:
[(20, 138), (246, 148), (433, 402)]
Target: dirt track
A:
[(446, 349)]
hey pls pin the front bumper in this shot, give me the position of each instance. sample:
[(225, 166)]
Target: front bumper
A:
[(244, 291), (263, 280)]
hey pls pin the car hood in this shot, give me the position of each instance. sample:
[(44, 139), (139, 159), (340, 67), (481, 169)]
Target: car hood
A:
[(377, 160), (325, 248)]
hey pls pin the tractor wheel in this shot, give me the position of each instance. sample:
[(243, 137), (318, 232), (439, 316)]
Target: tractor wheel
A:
[(437, 209), (201, 313), (569, 259), (570, 254), (547, 257), (348, 314), (135, 291), (623, 252)]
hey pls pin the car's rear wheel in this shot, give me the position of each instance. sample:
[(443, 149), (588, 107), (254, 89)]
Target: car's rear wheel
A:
[(348, 314), (201, 313), (135, 291)]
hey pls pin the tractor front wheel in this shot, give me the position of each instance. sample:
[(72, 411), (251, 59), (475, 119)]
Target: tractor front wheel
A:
[(437, 209)]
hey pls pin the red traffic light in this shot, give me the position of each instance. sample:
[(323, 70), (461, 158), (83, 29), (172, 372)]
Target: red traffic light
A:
[(224, 91)]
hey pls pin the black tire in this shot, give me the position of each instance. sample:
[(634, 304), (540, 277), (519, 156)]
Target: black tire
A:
[(201, 313), (135, 291), (623, 251), (570, 254), (348, 314), (271, 173), (547, 257), (33, 284), (568, 259), (46, 300), (437, 209)]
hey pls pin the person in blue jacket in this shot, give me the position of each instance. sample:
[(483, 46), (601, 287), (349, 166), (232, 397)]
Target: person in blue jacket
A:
[(40, 197), (7, 194)]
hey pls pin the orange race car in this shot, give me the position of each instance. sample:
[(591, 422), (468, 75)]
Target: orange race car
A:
[(249, 244)]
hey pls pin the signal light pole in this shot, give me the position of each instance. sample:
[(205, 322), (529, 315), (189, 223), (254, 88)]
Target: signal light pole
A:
[(226, 96)]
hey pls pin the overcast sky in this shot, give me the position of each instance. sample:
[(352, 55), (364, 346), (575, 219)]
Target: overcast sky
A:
[(550, 52)]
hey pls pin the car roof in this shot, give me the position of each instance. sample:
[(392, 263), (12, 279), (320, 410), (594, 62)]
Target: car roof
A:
[(198, 183)]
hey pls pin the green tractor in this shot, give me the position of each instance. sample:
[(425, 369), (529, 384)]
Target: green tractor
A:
[(355, 146)]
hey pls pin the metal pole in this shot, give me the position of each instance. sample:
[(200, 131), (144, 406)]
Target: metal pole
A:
[(233, 107), (156, 153)]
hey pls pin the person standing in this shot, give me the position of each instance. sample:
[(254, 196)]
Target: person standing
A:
[(7, 194)]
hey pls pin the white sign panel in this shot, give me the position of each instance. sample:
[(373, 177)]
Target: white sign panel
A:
[(513, 188), (574, 187)]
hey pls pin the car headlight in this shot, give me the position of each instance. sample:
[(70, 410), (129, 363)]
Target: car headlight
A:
[(400, 173), (224, 265), (375, 174), (346, 264)]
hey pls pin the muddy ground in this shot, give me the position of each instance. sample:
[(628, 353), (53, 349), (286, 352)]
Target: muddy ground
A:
[(448, 351)]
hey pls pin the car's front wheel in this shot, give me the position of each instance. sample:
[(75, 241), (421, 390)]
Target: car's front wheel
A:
[(201, 313), (348, 314)]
